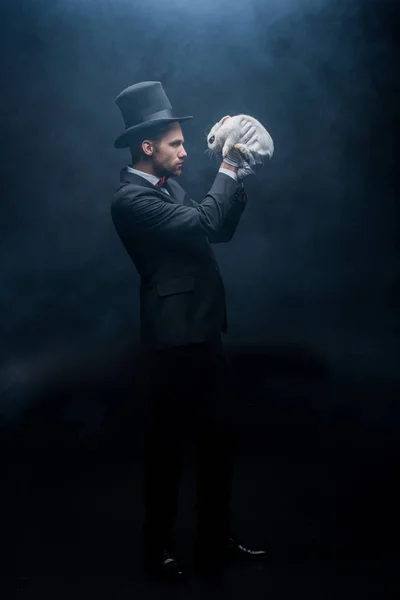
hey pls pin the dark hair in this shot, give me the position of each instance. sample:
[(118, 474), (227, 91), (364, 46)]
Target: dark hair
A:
[(154, 134)]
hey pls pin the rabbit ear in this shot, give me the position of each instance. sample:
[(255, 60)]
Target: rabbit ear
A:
[(219, 123)]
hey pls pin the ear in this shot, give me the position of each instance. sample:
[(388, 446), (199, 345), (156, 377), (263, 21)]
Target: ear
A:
[(224, 118), (147, 147)]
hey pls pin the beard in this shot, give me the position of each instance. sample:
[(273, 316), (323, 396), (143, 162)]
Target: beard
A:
[(164, 168)]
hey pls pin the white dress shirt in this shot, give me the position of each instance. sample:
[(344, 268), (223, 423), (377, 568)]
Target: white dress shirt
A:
[(154, 179)]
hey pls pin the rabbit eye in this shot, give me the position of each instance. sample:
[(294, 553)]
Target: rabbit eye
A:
[(212, 139)]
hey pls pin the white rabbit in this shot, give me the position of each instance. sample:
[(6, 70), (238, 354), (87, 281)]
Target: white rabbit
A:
[(225, 135)]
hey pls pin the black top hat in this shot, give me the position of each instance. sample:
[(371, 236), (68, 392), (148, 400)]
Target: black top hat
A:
[(143, 105)]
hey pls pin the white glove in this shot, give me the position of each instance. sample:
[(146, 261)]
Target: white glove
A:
[(244, 170), (247, 136), (236, 159)]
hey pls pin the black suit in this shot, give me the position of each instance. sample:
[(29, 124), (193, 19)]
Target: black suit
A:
[(183, 312), (182, 297)]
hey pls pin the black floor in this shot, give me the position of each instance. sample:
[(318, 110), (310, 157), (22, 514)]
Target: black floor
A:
[(316, 484), (76, 536)]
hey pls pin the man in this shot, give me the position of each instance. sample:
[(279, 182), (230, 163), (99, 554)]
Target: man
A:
[(182, 315)]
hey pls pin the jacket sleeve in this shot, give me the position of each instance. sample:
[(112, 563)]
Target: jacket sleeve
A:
[(228, 227), (139, 210)]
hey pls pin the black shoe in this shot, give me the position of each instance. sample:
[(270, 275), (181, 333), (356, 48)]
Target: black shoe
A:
[(213, 558), (238, 553), (164, 568)]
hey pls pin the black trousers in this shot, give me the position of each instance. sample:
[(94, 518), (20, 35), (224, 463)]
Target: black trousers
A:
[(188, 411)]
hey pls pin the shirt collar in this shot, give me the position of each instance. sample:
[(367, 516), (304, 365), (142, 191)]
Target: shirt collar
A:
[(152, 178)]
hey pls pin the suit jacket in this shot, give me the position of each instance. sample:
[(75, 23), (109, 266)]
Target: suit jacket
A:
[(182, 296)]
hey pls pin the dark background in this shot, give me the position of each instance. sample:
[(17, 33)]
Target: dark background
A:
[(312, 274)]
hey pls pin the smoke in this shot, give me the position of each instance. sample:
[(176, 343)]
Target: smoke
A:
[(315, 248)]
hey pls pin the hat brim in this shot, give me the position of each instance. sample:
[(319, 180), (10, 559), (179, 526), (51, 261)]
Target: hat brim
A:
[(122, 140)]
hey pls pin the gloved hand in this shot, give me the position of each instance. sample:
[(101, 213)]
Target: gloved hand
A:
[(236, 159), (247, 135), (246, 169)]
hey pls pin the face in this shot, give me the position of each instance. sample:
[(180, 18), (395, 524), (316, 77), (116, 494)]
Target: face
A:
[(169, 154)]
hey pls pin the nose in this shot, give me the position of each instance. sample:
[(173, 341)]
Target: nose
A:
[(182, 153)]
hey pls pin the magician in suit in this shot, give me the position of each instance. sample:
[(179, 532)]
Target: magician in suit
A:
[(182, 316)]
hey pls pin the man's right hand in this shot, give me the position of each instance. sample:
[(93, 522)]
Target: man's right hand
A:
[(247, 136)]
